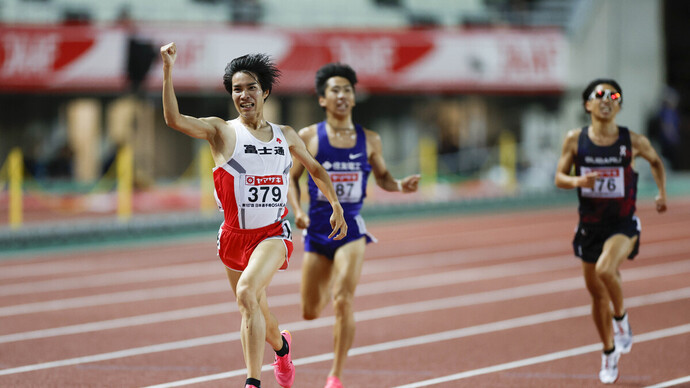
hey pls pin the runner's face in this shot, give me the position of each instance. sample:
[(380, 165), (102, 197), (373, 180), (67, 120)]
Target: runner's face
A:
[(339, 96), (247, 95), (604, 108)]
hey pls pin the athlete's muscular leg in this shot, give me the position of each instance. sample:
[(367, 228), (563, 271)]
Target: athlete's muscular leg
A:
[(616, 249), (258, 325), (315, 286), (601, 310), (604, 284), (346, 273)]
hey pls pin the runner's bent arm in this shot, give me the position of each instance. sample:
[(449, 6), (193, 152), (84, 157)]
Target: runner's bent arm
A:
[(384, 179), (563, 179), (295, 193), (644, 149), (321, 178), (204, 128)]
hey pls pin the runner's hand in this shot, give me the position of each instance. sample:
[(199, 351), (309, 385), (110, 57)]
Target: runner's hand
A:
[(302, 220), (410, 184), (338, 224), (588, 180), (660, 203), (169, 53)]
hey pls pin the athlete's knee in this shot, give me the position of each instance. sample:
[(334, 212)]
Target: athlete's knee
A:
[(311, 307), (309, 315), (246, 298), (606, 273), (310, 312), (342, 302), (313, 302)]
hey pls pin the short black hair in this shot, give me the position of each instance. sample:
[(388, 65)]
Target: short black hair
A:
[(333, 70), (592, 85), (260, 65)]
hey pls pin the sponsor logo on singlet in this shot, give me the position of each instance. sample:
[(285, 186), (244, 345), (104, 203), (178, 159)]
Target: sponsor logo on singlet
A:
[(342, 166), (255, 180), (603, 160), (345, 177)]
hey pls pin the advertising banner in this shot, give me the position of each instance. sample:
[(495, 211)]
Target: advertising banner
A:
[(86, 58)]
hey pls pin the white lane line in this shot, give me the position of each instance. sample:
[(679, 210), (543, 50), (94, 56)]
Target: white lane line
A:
[(208, 268), (74, 262), (64, 264), (376, 288), (180, 271), (485, 254), (117, 297), (535, 319), (213, 267), (670, 383), (452, 277), (651, 251), (650, 336), (390, 311)]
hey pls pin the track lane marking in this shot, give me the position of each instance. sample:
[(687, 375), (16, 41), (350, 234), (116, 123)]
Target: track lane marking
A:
[(192, 289), (390, 311), (367, 289), (470, 274), (209, 268), (649, 336), (670, 383), (513, 323)]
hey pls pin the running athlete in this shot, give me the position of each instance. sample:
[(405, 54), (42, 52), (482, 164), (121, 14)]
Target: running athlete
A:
[(349, 153), (253, 159), (603, 154)]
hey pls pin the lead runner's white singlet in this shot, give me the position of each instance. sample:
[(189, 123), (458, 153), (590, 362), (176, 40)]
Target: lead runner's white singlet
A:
[(251, 187)]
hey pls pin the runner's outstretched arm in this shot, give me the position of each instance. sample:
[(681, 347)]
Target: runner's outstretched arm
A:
[(322, 180)]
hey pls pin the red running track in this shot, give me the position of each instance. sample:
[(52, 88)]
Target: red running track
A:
[(494, 300)]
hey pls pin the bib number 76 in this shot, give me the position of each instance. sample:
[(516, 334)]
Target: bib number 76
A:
[(609, 184)]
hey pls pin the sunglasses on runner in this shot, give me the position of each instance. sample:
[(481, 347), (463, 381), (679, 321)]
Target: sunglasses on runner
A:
[(606, 93)]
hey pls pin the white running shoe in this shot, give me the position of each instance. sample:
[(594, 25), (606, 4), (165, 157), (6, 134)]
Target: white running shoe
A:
[(622, 334), (609, 367)]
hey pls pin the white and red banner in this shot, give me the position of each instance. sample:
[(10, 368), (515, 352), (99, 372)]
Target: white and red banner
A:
[(83, 58)]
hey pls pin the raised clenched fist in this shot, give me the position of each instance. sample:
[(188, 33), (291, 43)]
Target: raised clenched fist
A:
[(169, 53)]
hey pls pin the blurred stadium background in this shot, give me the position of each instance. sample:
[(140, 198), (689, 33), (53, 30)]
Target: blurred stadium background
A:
[(476, 95)]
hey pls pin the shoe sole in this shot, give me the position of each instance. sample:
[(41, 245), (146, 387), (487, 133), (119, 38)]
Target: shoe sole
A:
[(613, 382)]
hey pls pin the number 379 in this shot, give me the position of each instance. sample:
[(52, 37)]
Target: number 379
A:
[(263, 191)]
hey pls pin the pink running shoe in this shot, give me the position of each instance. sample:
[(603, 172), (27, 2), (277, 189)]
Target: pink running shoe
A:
[(283, 367), (249, 386), (333, 382)]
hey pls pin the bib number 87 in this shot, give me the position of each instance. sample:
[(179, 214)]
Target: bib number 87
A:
[(343, 189), (262, 192)]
